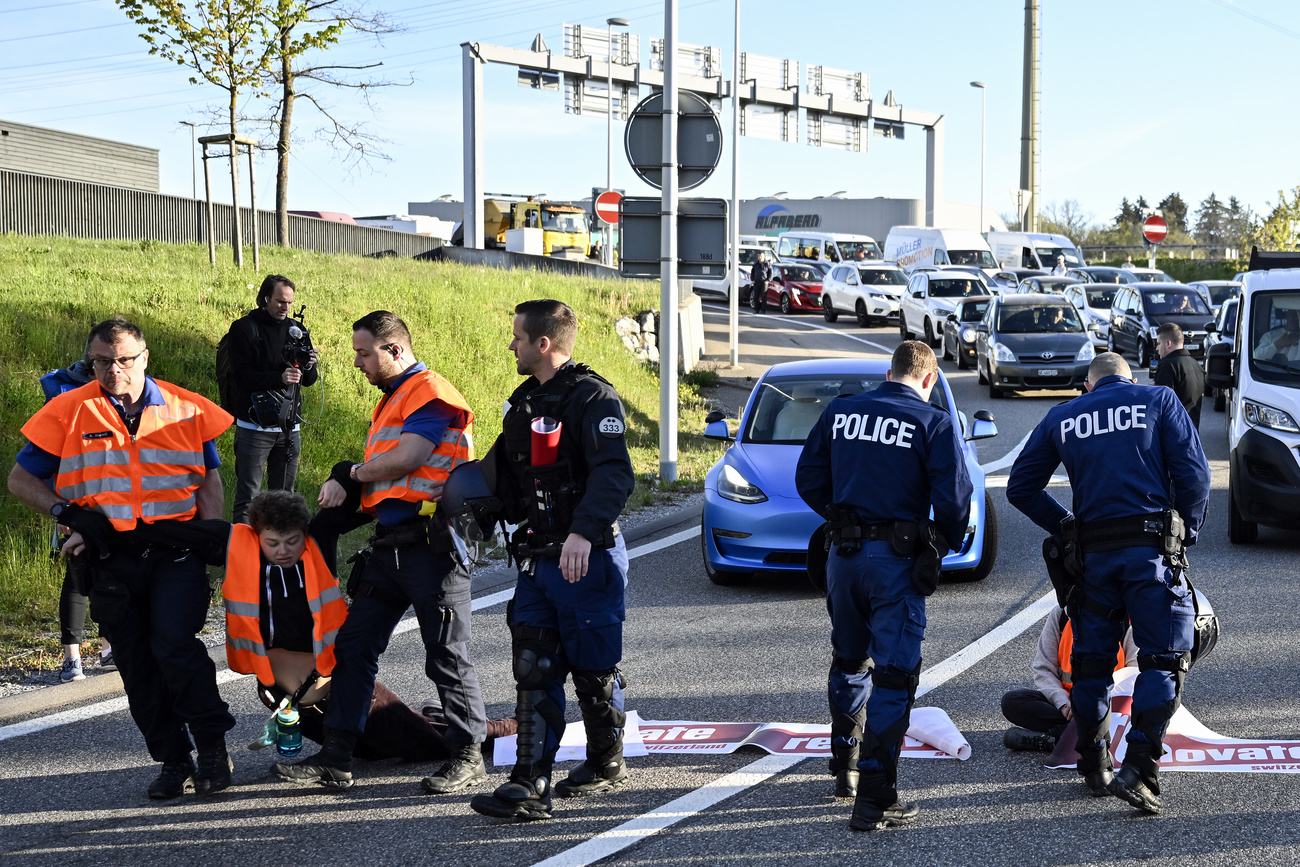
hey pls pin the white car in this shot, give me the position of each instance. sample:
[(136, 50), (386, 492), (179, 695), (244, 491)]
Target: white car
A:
[(1093, 301), (1150, 275), (930, 297), (865, 291)]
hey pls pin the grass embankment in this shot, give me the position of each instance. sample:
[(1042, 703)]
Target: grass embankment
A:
[(53, 289)]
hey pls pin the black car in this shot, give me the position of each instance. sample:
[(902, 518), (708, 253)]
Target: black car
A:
[(1101, 274), (959, 330), (1139, 310)]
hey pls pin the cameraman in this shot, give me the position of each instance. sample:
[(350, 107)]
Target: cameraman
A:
[(266, 387)]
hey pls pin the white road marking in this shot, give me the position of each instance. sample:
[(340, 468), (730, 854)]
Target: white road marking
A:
[(885, 349), (635, 830), (1008, 459)]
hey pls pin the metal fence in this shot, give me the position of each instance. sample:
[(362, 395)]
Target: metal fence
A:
[(41, 205)]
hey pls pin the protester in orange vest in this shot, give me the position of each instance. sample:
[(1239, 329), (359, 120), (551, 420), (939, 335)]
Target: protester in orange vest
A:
[(283, 611), (133, 460), (419, 431), (1039, 715)]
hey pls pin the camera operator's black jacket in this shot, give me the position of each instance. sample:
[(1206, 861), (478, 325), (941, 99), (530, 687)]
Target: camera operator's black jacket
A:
[(257, 360)]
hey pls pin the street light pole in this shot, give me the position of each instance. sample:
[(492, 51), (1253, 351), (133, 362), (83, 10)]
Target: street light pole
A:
[(983, 119), (733, 272), (194, 172), (607, 247)]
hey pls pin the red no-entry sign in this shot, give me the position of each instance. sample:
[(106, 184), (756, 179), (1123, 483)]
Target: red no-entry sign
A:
[(607, 206), (1154, 229)]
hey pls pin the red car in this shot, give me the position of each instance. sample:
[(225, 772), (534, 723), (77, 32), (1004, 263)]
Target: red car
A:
[(795, 287)]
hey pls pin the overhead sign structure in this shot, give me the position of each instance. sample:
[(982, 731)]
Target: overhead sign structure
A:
[(1154, 229), (699, 140), (607, 206)]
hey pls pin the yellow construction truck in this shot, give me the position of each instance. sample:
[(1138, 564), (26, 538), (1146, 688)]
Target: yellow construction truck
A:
[(565, 228)]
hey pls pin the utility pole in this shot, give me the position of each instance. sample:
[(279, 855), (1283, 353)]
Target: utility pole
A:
[(984, 102), (669, 315), (1029, 119), (607, 245), (733, 275)]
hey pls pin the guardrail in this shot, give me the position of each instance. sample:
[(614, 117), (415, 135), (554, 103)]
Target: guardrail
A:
[(43, 205)]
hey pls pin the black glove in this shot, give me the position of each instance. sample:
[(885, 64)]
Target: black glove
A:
[(342, 473), (94, 527)]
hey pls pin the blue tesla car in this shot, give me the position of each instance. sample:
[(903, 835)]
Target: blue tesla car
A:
[(754, 519)]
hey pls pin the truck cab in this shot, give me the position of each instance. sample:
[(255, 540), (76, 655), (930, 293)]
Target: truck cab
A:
[(1261, 367)]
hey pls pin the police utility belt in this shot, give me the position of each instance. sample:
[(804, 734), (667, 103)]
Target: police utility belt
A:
[(919, 539), (1063, 553), (419, 530)]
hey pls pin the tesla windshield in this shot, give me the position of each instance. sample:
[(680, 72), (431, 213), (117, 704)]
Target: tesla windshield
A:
[(787, 407)]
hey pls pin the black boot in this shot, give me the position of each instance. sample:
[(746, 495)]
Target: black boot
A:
[(522, 798), (846, 740), (215, 766), (1138, 780), (176, 779), (1024, 740), (604, 768), (331, 767), (526, 796), (462, 770), (877, 807), (1096, 768)]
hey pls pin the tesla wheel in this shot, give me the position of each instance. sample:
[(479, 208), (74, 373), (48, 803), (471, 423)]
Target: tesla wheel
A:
[(722, 579), (785, 303), (828, 309), (929, 334), (1240, 531), (988, 552), (864, 318), (1144, 354), (947, 356), (1220, 400)]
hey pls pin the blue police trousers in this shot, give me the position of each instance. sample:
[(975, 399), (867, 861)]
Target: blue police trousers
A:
[(876, 612), (1138, 581)]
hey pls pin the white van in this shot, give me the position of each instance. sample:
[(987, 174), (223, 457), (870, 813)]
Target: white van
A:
[(914, 246), (1262, 370), (1033, 250), (818, 248)]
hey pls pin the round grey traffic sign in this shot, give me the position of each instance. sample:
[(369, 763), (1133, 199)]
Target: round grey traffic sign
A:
[(699, 140)]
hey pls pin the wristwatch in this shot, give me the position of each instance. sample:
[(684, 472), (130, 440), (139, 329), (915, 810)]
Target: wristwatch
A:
[(352, 473), (58, 509)]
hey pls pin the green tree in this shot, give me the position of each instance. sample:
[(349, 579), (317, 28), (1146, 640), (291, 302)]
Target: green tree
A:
[(1280, 230), (1175, 211), (1211, 221)]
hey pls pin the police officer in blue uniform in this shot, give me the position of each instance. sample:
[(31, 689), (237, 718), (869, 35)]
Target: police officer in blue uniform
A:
[(568, 609), (874, 465), (1140, 485)]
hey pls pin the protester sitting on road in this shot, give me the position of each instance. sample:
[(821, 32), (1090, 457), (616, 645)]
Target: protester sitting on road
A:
[(283, 608), (1039, 715)]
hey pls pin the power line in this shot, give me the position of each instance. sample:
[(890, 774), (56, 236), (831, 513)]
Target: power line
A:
[(64, 32), (47, 6), (1272, 25)]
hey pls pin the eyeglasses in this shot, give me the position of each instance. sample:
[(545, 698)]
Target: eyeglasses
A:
[(126, 362)]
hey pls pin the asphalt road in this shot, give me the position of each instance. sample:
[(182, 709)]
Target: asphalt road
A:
[(74, 793)]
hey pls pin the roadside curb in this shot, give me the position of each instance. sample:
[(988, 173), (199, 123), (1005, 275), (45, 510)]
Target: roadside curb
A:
[(108, 685)]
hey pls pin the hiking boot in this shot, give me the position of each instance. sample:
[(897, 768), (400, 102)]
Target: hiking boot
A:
[(176, 779), (867, 816), (1098, 782), (458, 773), (71, 671), (1024, 740), (588, 780), (846, 784), (523, 800), (1132, 786), (214, 769), (331, 767), (432, 710)]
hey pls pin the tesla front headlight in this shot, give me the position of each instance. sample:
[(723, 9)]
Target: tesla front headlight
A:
[(1259, 415), (1086, 352), (1002, 353), (735, 487)]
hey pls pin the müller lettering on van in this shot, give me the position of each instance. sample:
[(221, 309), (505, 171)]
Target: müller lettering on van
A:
[(1261, 372)]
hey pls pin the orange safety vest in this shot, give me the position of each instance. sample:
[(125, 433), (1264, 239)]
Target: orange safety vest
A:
[(245, 651), (152, 476), (386, 423), (1063, 655)]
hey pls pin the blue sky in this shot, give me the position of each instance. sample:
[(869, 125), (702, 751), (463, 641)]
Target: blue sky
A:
[(1141, 98)]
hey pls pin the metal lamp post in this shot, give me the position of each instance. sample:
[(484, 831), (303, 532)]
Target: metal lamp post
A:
[(983, 117), (607, 251), (194, 172)]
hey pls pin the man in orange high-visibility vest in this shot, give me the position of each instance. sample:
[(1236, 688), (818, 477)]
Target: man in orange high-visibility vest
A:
[(419, 431), (130, 454)]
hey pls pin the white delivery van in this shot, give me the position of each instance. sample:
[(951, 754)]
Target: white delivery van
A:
[(830, 248), (914, 246), (1262, 369), (1033, 250)]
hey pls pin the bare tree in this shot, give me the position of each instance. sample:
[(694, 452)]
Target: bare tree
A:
[(1068, 219), (299, 29)]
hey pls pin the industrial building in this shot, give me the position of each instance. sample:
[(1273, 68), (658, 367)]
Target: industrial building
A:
[(40, 151)]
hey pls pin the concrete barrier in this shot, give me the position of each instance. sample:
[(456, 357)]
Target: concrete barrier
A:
[(690, 318), (513, 261)]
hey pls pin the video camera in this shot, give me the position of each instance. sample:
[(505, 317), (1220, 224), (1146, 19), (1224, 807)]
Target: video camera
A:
[(297, 346)]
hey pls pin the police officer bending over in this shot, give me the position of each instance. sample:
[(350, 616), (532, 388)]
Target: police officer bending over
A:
[(1123, 446), (567, 614), (419, 431), (877, 493)]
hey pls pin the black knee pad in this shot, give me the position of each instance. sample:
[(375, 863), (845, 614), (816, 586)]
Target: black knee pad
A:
[(1092, 665), (597, 685), (852, 666), (1175, 663), (537, 658), (895, 678)]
